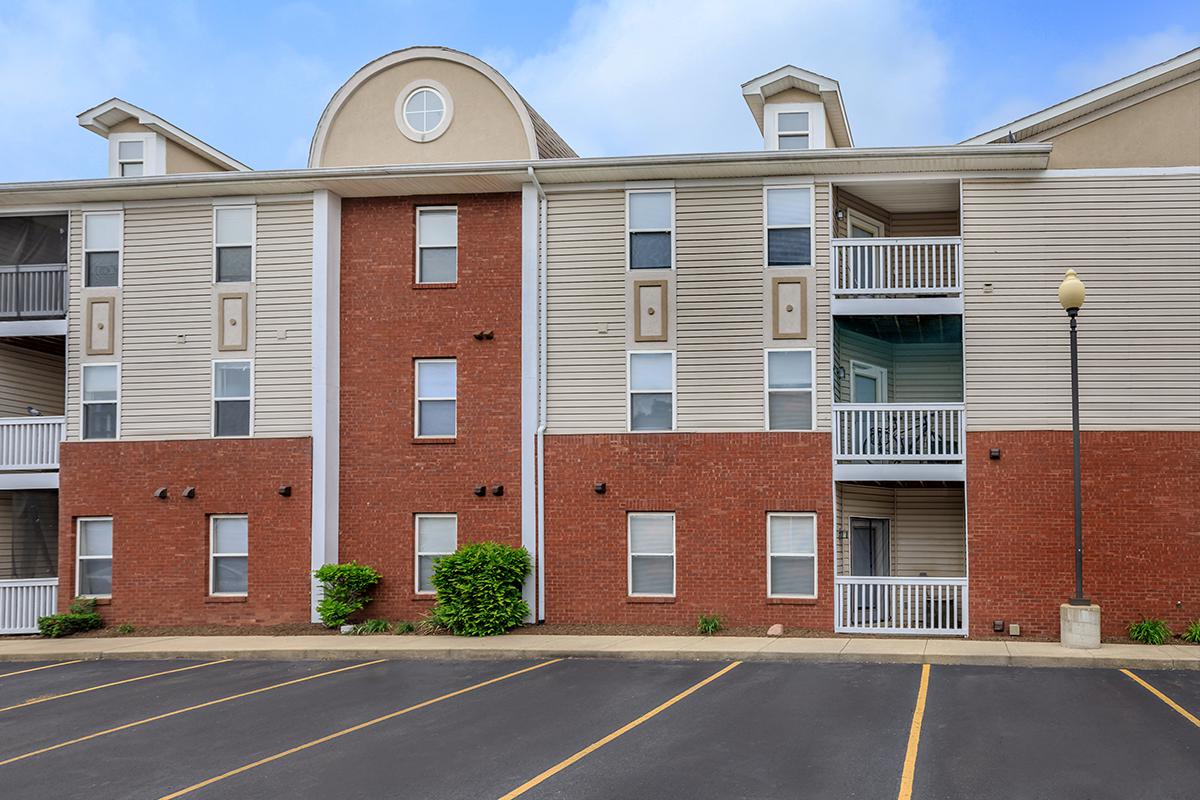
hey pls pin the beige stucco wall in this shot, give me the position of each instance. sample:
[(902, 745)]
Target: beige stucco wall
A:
[(180, 160), (1163, 131), (485, 125)]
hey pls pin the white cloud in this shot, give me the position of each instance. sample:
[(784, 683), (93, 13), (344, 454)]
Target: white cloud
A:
[(665, 75)]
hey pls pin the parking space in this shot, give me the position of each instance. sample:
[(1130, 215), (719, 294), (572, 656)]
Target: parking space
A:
[(590, 729)]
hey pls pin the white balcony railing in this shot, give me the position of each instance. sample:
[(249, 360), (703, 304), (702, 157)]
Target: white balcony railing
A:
[(903, 267), (23, 601), (924, 606), (900, 432), (30, 443), (34, 291)]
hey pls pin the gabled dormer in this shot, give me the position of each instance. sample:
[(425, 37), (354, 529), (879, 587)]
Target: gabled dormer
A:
[(798, 110), (141, 143)]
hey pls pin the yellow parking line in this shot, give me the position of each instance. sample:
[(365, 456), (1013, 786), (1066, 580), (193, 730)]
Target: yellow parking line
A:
[(48, 698), (351, 729), (178, 711), (1189, 716), (914, 738), (594, 746), (35, 669)]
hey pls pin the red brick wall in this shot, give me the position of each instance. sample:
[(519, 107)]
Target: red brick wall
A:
[(386, 475), (720, 486), (1141, 527), (161, 548)]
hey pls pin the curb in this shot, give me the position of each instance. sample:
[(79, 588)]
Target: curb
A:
[(506, 654)]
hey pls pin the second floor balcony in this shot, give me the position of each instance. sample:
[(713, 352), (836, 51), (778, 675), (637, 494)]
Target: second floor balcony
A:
[(33, 291), (30, 444), (34, 281)]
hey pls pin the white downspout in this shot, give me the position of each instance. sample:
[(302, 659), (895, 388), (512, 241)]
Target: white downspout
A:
[(540, 452)]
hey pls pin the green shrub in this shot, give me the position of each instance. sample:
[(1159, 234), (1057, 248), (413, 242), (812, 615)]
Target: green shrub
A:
[(709, 623), (347, 590), (403, 627), (1192, 634), (372, 626), (431, 622), (1149, 631), (81, 616), (479, 588), (124, 627)]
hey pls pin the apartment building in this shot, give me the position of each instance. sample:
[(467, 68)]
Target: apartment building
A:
[(814, 384)]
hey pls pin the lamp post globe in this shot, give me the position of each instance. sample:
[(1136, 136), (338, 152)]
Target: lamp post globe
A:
[(1071, 293)]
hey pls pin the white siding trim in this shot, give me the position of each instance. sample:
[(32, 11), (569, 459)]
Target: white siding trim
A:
[(326, 383)]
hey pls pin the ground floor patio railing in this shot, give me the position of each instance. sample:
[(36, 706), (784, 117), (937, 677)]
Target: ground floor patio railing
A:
[(922, 606), (23, 600)]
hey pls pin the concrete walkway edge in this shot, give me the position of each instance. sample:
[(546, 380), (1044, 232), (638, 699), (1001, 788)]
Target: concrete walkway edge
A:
[(650, 648)]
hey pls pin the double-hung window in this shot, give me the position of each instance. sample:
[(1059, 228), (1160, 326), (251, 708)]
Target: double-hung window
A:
[(791, 555), (94, 554), (651, 222), (232, 391), (790, 390), (100, 397), (437, 536), (437, 245), (131, 158), (229, 555), (102, 248), (652, 554), (233, 238), (792, 130), (437, 397), (789, 227), (651, 391)]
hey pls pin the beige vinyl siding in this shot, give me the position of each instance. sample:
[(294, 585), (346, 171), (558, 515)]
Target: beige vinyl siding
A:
[(719, 253), (74, 345), (31, 378), (851, 347), (925, 223), (28, 534), (283, 320), (852, 202), (585, 311), (1136, 243), (927, 524), (926, 373), (821, 226)]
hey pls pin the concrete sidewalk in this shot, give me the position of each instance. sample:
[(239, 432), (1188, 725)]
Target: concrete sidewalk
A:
[(902, 651)]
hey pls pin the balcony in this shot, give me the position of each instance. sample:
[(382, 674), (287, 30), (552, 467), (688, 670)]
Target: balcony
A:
[(897, 275), (33, 291), (919, 606), (899, 441), (29, 445), (33, 275)]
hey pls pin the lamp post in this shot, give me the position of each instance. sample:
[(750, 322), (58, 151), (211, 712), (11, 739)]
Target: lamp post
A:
[(1071, 295)]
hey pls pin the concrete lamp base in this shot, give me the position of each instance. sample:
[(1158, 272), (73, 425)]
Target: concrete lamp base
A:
[(1079, 626)]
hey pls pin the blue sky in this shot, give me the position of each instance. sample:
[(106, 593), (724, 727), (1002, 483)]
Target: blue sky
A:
[(614, 76)]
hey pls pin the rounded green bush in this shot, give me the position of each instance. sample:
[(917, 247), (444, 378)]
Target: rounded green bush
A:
[(347, 589), (479, 588)]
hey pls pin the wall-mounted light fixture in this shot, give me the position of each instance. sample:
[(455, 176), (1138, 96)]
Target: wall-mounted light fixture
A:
[(480, 490), (498, 490), (481, 335), (994, 454), (998, 626), (841, 213), (600, 488), (839, 371), (161, 493), (189, 492), (284, 491)]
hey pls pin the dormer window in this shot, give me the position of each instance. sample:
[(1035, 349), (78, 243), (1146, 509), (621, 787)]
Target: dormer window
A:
[(793, 130), (131, 158), (424, 110)]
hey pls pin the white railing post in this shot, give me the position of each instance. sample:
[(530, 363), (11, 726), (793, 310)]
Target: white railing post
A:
[(929, 265), (30, 443), (899, 431), (924, 606), (22, 601)]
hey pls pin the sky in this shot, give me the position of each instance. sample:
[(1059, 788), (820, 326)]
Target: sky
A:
[(614, 77)]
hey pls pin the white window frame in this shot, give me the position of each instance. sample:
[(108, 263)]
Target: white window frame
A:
[(816, 124), (816, 560), (629, 229), (120, 215), (214, 399), (630, 554), (767, 390), (417, 238), (253, 243), (402, 100), (417, 552), (79, 557), (880, 374), (213, 555), (154, 154), (630, 391), (861, 220), (812, 225), (83, 403), (417, 398)]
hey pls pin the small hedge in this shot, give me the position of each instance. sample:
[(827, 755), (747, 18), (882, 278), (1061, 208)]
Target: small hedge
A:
[(81, 617), (479, 589), (347, 591), (1149, 631)]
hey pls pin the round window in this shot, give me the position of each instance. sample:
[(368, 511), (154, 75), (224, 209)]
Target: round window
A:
[(424, 110)]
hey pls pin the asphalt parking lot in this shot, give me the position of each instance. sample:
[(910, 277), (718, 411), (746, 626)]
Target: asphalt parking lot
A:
[(585, 728)]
